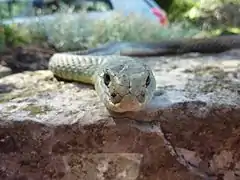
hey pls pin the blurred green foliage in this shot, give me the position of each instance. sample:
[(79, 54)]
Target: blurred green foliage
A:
[(207, 13), (16, 9), (219, 14), (69, 32), (187, 19), (176, 8), (15, 36), (2, 39)]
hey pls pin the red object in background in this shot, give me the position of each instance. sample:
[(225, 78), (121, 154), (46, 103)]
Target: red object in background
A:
[(161, 15)]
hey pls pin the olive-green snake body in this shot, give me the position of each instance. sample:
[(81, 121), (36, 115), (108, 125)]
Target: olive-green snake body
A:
[(124, 83)]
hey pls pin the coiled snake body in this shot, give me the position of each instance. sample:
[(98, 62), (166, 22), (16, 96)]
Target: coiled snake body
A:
[(123, 83)]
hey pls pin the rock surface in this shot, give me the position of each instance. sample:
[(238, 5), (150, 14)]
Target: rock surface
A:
[(59, 130), (4, 71)]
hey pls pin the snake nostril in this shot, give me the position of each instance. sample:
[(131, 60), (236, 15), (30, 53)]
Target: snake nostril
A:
[(115, 98), (113, 95), (142, 96)]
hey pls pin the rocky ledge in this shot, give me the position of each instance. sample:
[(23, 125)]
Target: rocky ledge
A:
[(60, 130)]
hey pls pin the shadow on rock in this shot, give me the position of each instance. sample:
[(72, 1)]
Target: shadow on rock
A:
[(6, 88)]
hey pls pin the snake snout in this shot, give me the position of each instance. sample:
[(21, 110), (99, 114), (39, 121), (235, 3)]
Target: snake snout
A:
[(116, 98)]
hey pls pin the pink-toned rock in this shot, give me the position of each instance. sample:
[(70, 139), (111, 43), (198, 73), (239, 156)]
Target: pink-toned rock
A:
[(56, 130)]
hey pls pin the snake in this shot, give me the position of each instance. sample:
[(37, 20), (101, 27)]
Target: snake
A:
[(123, 83)]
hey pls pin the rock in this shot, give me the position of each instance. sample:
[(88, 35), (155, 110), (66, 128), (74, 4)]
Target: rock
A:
[(4, 71), (26, 58), (61, 130)]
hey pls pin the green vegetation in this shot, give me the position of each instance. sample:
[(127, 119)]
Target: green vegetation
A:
[(219, 14), (16, 9), (78, 33), (15, 36), (85, 34), (24, 8), (207, 13), (193, 9), (188, 18), (176, 9), (2, 39)]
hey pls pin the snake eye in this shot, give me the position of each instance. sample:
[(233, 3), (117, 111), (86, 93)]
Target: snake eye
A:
[(106, 79), (148, 81)]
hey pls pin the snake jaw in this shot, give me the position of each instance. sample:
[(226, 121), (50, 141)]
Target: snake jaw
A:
[(128, 103)]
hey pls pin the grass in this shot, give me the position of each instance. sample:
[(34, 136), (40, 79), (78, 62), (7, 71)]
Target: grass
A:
[(69, 32), (17, 9), (77, 32)]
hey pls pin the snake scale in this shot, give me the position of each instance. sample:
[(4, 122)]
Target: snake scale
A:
[(122, 82)]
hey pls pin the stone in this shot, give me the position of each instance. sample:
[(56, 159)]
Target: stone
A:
[(4, 71), (51, 129)]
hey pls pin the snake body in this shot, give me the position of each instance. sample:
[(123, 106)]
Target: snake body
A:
[(122, 82), (167, 47)]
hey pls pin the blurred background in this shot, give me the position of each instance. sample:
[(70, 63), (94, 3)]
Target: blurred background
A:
[(82, 24)]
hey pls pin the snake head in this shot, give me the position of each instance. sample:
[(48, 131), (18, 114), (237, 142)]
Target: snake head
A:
[(125, 84)]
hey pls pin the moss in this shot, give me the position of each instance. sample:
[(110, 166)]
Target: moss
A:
[(34, 109)]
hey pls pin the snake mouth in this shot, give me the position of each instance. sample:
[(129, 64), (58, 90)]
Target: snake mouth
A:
[(128, 103), (128, 107)]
